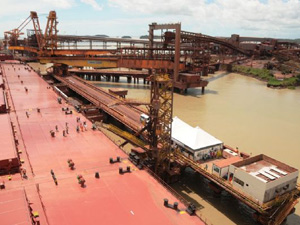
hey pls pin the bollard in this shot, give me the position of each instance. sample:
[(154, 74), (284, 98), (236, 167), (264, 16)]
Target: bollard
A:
[(111, 160), (166, 202), (97, 175), (2, 185), (175, 206)]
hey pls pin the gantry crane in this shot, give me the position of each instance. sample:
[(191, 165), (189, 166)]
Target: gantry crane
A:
[(44, 42)]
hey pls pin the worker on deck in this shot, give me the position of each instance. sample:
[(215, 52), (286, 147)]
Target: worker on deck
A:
[(94, 125), (77, 129), (85, 125), (55, 180), (67, 128), (23, 173), (52, 133)]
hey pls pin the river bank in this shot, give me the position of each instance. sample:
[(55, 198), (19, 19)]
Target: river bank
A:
[(267, 76)]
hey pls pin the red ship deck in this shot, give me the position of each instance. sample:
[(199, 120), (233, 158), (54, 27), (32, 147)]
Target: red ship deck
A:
[(14, 208), (131, 198)]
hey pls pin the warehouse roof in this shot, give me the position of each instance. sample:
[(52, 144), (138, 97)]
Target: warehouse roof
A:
[(193, 137)]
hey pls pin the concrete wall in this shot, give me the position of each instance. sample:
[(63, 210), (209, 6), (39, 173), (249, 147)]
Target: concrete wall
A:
[(222, 171), (280, 186), (259, 190), (252, 186), (216, 170)]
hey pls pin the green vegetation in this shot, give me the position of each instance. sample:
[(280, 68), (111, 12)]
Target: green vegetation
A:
[(267, 75), (263, 74)]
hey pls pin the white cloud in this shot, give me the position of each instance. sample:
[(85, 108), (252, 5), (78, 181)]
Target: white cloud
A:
[(93, 3), (14, 12), (251, 17), (272, 18), (63, 4), (15, 7)]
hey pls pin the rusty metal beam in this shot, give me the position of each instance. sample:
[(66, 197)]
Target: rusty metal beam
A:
[(23, 48), (148, 64), (64, 52), (50, 37), (37, 28), (177, 27), (156, 26), (82, 61)]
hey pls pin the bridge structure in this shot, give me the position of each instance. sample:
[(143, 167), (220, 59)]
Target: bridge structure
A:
[(114, 106)]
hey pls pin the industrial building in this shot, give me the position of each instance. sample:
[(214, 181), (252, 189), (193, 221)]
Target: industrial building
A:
[(263, 178), (221, 167)]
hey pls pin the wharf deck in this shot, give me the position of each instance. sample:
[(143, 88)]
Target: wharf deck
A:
[(205, 169), (126, 114), (131, 198), (133, 73)]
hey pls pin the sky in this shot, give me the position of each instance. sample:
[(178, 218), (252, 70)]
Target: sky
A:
[(116, 18)]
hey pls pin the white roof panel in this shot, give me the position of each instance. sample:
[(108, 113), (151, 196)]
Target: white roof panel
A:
[(193, 137)]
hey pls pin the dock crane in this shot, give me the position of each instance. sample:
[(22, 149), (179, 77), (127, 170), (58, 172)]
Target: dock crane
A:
[(46, 42)]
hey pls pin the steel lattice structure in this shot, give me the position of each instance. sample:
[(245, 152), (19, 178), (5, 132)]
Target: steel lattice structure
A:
[(160, 111)]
